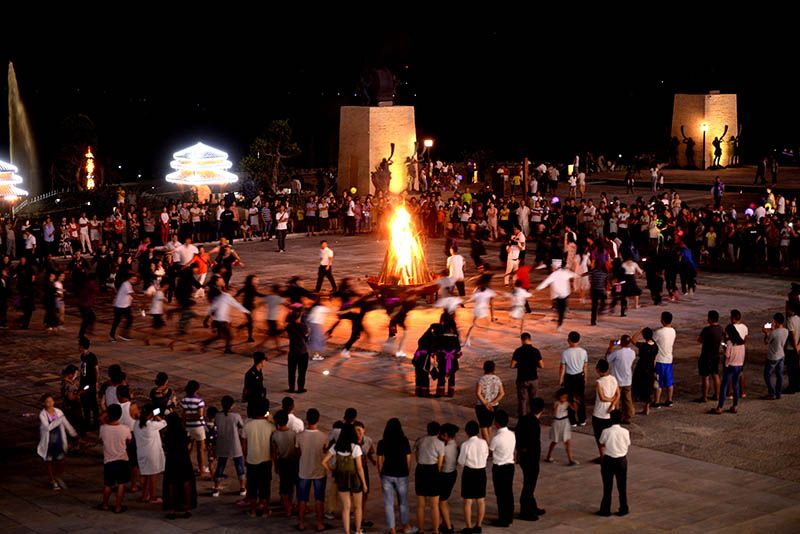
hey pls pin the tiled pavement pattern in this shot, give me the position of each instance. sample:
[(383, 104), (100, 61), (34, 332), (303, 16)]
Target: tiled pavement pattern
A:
[(688, 471)]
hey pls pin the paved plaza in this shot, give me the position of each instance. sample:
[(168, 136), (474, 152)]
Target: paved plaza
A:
[(688, 471)]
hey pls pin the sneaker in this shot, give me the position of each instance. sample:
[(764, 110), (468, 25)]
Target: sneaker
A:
[(655, 405), (61, 483), (668, 404), (317, 358), (215, 493), (345, 353), (574, 462), (123, 338), (329, 515), (582, 424), (242, 493), (400, 354), (56, 487), (549, 460), (112, 339)]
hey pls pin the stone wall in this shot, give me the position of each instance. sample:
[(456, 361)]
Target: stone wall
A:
[(365, 137), (716, 110)]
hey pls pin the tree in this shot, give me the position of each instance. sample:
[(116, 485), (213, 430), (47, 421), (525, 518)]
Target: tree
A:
[(265, 161), (75, 134)]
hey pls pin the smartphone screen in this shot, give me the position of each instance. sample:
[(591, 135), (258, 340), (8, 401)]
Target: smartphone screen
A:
[(85, 388), (767, 325), (156, 411)]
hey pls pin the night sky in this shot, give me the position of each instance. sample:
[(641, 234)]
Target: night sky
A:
[(541, 93)]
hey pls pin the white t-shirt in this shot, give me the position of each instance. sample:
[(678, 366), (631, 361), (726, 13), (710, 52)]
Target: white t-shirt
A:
[(124, 297), (351, 207), (608, 385), (83, 222), (282, 219), (184, 254), (664, 338), (481, 299), (195, 214), (456, 265), (325, 256)]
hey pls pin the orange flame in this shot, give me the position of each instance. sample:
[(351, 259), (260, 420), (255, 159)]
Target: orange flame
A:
[(404, 263)]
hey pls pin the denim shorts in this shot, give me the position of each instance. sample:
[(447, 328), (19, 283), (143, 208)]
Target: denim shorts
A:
[(304, 489)]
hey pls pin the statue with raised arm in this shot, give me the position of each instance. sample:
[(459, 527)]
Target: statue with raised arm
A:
[(717, 144), (674, 144), (689, 142)]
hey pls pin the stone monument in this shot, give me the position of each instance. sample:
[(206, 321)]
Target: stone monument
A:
[(372, 135), (716, 110)]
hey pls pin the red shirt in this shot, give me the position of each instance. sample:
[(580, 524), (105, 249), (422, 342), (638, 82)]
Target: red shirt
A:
[(523, 273)]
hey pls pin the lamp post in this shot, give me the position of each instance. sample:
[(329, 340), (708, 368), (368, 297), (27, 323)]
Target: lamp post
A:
[(704, 128), (428, 144)]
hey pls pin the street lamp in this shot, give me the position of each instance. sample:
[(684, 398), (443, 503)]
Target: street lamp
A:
[(428, 143), (704, 128)]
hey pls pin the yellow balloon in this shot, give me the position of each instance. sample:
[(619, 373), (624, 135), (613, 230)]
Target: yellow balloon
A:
[(353, 190)]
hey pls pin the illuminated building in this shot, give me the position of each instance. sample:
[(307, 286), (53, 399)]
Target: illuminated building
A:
[(201, 165), (9, 180)]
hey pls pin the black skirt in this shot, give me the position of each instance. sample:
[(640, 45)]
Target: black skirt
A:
[(426, 480), (473, 483)]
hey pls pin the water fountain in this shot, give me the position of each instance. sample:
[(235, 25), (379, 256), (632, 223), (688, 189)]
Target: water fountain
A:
[(22, 151)]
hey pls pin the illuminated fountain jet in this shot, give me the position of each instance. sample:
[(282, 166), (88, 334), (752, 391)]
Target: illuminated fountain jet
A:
[(9, 180), (201, 165)]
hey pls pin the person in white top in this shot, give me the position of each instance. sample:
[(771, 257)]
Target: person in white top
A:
[(183, 254), (83, 224), (606, 400), (502, 446), (282, 227), (295, 424), (519, 298), (616, 441), (325, 269), (515, 249), (621, 356), (122, 308), (665, 339), (472, 457), (483, 306), (560, 284), (455, 267), (219, 310)]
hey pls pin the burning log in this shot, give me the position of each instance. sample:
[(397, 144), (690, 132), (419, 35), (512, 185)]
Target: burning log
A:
[(404, 263)]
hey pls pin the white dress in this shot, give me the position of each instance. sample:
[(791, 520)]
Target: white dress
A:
[(149, 451), (560, 431)]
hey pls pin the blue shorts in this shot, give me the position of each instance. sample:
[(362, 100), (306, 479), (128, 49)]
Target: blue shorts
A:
[(664, 372), (304, 489)]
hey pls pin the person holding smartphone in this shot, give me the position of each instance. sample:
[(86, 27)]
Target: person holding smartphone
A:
[(149, 451)]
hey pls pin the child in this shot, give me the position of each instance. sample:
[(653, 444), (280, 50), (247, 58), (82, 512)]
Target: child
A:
[(429, 453), (285, 454), (560, 430), (368, 450), (246, 232), (473, 456), (310, 447), (448, 475), (211, 437), (115, 457), (573, 186)]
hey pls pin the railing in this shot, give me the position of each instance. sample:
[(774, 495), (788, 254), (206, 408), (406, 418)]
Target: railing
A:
[(38, 198)]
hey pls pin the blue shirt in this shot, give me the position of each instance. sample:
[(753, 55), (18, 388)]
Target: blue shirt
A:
[(574, 359)]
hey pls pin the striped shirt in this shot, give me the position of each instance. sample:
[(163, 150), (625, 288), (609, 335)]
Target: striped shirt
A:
[(191, 408)]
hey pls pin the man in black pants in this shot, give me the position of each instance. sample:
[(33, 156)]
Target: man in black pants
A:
[(529, 448), (88, 386), (598, 278), (616, 441), (572, 376), (325, 266), (502, 446)]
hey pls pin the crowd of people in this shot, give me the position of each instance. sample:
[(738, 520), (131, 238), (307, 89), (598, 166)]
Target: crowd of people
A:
[(603, 249)]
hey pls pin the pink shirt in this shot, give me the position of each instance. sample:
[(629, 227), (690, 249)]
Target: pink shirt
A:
[(114, 439), (734, 355)]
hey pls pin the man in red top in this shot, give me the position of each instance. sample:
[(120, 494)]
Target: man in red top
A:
[(202, 260)]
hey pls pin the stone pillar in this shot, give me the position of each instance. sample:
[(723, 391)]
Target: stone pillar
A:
[(365, 137), (715, 109)]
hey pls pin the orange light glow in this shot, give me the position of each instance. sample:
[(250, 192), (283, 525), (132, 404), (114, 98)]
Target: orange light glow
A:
[(404, 263)]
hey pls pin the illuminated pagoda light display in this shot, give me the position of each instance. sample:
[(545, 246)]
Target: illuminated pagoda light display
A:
[(89, 169), (201, 166), (9, 180), (404, 263)]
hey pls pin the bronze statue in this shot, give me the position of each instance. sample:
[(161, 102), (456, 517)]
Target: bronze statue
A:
[(382, 175), (717, 144), (674, 143), (377, 85), (689, 142)]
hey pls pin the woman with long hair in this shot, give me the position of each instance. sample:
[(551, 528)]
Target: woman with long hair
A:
[(645, 370), (348, 474), (394, 466), (179, 488)]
